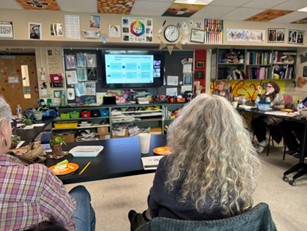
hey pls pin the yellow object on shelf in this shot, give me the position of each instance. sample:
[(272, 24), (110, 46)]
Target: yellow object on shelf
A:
[(66, 125)]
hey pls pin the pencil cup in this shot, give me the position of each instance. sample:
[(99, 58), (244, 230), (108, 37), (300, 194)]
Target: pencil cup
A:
[(144, 139)]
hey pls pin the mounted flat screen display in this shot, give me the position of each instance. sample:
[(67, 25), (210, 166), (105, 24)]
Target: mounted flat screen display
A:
[(132, 69)]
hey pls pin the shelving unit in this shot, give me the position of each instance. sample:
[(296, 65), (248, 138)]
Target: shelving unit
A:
[(254, 64), (120, 117), (98, 125)]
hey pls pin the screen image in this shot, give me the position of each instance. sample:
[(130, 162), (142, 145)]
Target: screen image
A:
[(129, 68), (125, 69)]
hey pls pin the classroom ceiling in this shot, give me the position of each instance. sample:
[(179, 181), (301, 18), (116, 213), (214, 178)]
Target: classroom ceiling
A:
[(279, 11)]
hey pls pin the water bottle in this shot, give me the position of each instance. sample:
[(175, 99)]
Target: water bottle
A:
[(300, 105), (19, 112), (63, 101)]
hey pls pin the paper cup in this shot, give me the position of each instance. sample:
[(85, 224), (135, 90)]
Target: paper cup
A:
[(235, 104), (144, 139)]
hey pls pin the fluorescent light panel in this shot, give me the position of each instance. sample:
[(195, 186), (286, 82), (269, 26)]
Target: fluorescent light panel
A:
[(303, 9)]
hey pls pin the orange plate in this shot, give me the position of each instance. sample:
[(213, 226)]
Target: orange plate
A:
[(20, 151), (71, 167), (163, 150)]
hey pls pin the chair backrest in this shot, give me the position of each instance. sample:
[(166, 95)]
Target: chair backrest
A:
[(256, 219)]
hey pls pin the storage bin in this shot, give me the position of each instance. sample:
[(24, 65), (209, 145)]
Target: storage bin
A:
[(65, 115), (65, 124), (95, 113), (85, 114), (104, 112), (74, 114)]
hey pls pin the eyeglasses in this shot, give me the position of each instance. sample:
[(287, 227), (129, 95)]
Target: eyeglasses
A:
[(269, 86)]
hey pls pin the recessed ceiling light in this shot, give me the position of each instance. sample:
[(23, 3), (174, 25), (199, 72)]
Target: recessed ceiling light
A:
[(195, 2), (303, 9)]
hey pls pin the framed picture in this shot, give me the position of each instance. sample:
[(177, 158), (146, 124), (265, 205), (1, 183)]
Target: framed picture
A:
[(197, 36), (57, 93), (276, 35), (200, 64), (296, 37), (199, 74), (70, 61), (6, 30), (35, 30)]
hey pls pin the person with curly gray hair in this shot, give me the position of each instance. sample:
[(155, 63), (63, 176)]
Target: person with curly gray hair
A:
[(211, 171)]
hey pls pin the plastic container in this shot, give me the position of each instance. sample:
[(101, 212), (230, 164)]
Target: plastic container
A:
[(65, 125), (65, 115), (19, 112), (74, 114), (104, 112), (264, 106), (85, 114)]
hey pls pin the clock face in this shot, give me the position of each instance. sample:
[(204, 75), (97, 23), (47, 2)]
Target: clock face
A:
[(171, 33)]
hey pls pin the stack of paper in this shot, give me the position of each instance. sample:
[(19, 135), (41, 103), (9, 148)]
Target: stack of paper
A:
[(151, 162)]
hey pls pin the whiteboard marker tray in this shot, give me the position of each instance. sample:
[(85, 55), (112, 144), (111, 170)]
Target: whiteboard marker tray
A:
[(86, 151)]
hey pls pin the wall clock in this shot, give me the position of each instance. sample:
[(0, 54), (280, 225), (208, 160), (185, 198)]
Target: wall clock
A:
[(171, 33)]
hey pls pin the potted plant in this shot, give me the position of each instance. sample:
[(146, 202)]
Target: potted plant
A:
[(56, 146)]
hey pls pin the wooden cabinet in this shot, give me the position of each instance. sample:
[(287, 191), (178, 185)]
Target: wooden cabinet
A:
[(254, 64)]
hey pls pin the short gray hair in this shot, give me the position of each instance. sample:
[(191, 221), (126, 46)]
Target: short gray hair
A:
[(5, 111)]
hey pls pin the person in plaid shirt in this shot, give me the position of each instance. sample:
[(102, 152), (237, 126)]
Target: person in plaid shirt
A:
[(30, 194)]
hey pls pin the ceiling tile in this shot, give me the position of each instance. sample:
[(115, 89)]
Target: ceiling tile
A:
[(265, 4), (268, 15), (89, 6), (213, 12), (149, 8), (292, 5), (9, 4), (241, 13), (182, 10), (228, 2), (290, 17), (115, 6), (301, 21), (38, 5)]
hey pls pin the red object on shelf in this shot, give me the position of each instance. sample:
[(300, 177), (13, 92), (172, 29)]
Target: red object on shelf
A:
[(86, 114)]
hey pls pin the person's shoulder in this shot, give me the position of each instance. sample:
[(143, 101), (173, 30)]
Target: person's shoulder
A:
[(39, 171)]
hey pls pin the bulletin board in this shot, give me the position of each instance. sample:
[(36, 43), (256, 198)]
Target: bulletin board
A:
[(82, 75)]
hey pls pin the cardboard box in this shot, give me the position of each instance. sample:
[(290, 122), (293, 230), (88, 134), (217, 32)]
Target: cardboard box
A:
[(120, 134), (103, 131), (67, 137)]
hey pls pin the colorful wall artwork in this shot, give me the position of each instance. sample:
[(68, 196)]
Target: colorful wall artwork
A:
[(182, 10), (268, 15), (248, 88), (115, 6), (39, 5), (245, 35), (136, 29)]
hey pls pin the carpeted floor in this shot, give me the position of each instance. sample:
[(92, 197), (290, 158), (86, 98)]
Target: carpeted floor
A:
[(113, 198)]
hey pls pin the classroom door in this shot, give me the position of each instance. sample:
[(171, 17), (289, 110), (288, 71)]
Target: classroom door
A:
[(11, 81)]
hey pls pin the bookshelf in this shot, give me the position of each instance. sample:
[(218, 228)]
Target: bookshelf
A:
[(255, 64)]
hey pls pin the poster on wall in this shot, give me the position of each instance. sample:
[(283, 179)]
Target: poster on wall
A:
[(35, 30), (245, 35), (137, 29), (95, 21), (6, 30), (56, 29), (296, 37)]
